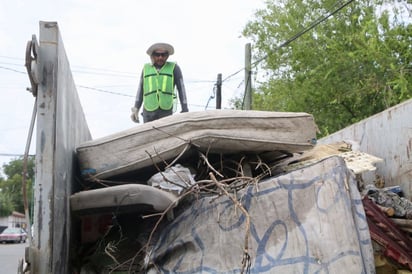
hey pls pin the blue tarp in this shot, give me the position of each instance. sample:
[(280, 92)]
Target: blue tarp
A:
[(310, 220)]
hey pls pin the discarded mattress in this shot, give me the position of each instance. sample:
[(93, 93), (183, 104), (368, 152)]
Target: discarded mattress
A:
[(310, 220), (127, 197), (221, 131)]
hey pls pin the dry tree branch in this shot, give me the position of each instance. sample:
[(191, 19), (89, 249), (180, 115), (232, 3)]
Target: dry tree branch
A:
[(109, 249), (163, 160), (186, 148), (209, 165), (203, 185), (177, 137), (94, 179), (107, 183), (246, 257), (111, 246), (161, 173), (162, 215), (181, 178), (169, 165), (240, 166), (206, 186), (266, 168)]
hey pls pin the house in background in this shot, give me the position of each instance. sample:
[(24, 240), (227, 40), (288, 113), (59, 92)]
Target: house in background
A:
[(16, 219)]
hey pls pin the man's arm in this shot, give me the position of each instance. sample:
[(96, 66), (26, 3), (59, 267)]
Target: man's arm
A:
[(139, 95), (180, 85), (138, 101)]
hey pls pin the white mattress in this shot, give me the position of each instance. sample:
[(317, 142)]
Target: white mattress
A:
[(216, 131)]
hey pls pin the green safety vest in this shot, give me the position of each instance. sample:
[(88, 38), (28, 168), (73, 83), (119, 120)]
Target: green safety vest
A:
[(158, 87)]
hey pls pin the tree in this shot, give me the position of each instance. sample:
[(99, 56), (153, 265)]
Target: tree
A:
[(348, 67), (6, 204), (11, 196)]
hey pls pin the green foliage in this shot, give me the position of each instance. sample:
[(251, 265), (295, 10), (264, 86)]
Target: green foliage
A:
[(11, 195), (6, 204), (349, 67), (16, 167)]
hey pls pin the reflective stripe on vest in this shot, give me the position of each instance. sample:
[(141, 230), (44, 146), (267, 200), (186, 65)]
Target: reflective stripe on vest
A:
[(158, 87)]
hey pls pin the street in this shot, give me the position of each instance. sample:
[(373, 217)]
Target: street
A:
[(10, 254)]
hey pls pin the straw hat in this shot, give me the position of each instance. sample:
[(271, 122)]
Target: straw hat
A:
[(160, 46)]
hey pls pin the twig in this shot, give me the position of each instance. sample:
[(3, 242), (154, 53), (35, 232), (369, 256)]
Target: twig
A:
[(162, 215), (209, 165), (161, 173), (246, 257), (110, 248), (180, 155), (171, 135)]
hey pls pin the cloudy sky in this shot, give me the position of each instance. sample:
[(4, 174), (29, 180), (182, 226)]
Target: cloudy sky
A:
[(106, 41)]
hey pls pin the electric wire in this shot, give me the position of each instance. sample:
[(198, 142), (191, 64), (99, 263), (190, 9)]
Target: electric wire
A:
[(290, 40), (310, 27), (248, 80)]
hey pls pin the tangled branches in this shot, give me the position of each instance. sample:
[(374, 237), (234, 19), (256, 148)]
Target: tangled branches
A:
[(215, 175)]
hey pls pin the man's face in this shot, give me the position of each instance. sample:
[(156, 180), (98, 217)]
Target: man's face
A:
[(159, 57)]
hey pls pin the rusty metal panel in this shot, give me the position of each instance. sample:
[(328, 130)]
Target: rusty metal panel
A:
[(61, 126), (387, 135)]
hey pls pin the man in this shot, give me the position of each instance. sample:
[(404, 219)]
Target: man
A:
[(157, 84)]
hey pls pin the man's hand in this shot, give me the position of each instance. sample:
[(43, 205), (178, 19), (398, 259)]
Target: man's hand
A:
[(135, 115)]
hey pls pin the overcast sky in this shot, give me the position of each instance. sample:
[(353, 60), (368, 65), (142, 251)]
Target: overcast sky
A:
[(106, 41)]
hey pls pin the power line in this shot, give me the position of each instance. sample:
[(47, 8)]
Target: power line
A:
[(112, 92), (13, 58), (302, 32), (13, 155), (13, 64), (296, 36), (105, 91), (14, 70), (290, 40), (105, 72), (287, 42)]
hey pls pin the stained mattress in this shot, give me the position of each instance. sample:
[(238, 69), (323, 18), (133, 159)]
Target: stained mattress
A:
[(212, 131)]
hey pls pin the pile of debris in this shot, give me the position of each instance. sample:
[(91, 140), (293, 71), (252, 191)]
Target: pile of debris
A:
[(233, 200), (185, 199), (389, 213)]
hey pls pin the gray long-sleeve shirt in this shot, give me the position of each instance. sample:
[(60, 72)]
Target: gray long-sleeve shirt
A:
[(179, 84)]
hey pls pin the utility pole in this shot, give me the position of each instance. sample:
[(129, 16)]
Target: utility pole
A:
[(219, 91), (248, 78)]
